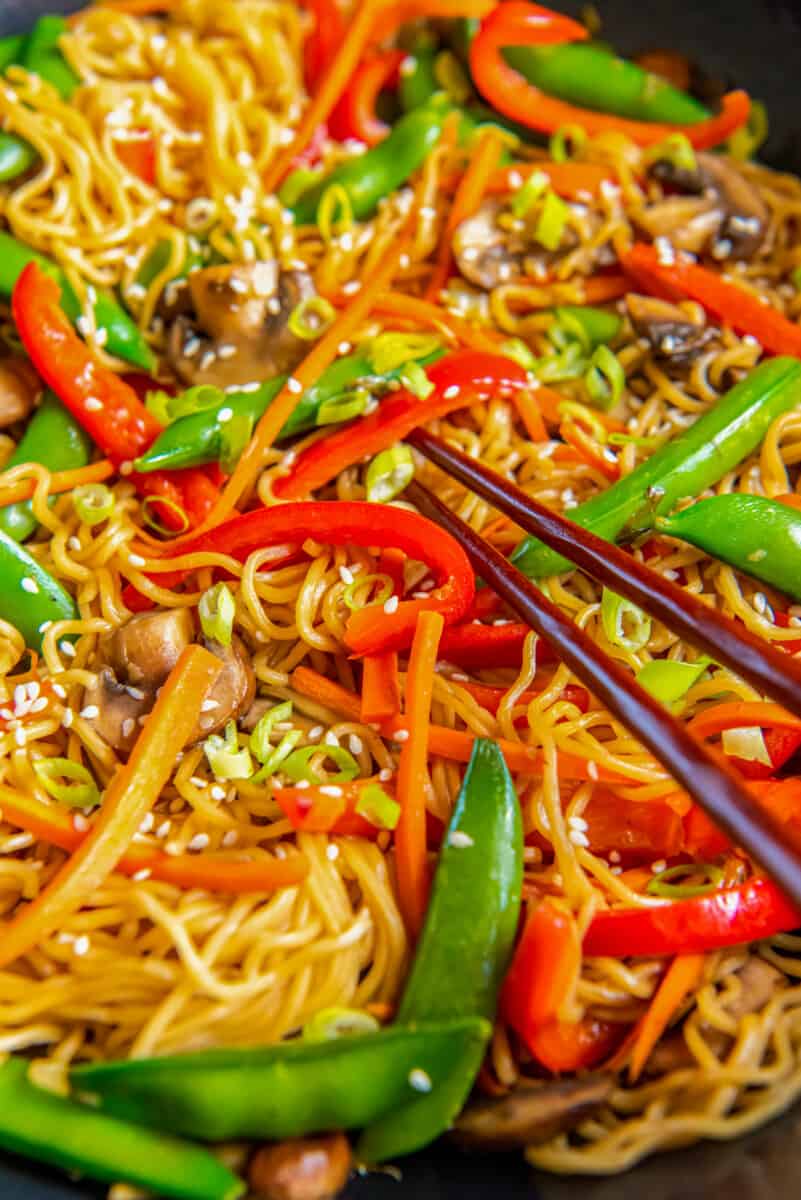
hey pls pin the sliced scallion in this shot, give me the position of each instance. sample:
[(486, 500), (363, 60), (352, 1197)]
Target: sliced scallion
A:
[(94, 502), (310, 319), (389, 473), (296, 767), (568, 141), (217, 609), (150, 517), (68, 782), (529, 193), (551, 221), (344, 407), (389, 351), (330, 1023), (260, 737), (676, 149), (227, 759), (334, 212), (235, 433), (415, 380), (747, 742), (377, 807), (519, 352), (625, 625), (662, 884), (605, 379), (357, 594), (669, 681)]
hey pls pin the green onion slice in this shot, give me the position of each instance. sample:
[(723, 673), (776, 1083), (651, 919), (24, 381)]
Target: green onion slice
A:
[(415, 380), (630, 439), (310, 319), (676, 149), (389, 351), (94, 502), (662, 884), (352, 594), (519, 352), (277, 755), (235, 433), (296, 184), (330, 1023), (669, 681), (551, 221), (747, 742), (225, 756), (745, 141), (625, 625), (389, 473), (150, 517), (260, 737), (68, 782), (529, 193), (451, 76), (297, 765), (565, 328), (343, 407), (217, 609), (567, 142), (569, 364), (605, 378), (377, 807), (334, 212)]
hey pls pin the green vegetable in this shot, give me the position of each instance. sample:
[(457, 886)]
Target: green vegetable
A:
[(330, 1023), (418, 77), (43, 57), (11, 50), (30, 598), (662, 883), (669, 681), (592, 327), (566, 142), (80, 792), (197, 255), (389, 352), (758, 536), (54, 439), (285, 1090), (383, 169), (343, 408), (551, 221), (57, 1131), (695, 460), (310, 319), (529, 193), (260, 737), (415, 380), (297, 765), (605, 379), (123, 338), (227, 759), (377, 807), (625, 624), (16, 156), (466, 942), (196, 439), (217, 609), (94, 503), (389, 473), (676, 149), (350, 594)]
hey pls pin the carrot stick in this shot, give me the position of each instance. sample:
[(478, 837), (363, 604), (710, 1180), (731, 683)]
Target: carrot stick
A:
[(131, 794), (589, 451), (54, 825), (682, 976), (396, 304), (529, 411), (467, 199), (570, 180), (455, 744), (380, 686), (600, 289), (324, 353), (59, 481), (739, 714), (410, 832)]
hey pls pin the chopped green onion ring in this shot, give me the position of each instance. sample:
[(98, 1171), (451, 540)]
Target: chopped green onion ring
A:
[(217, 609), (334, 212), (676, 149), (297, 765), (451, 76), (605, 379), (377, 807), (585, 416), (293, 187), (310, 319), (384, 582), (565, 328), (519, 352), (668, 680), (344, 407), (225, 756), (94, 502), (551, 221), (80, 792), (389, 351), (662, 883), (415, 380), (330, 1023), (567, 142), (529, 193), (389, 474), (150, 518), (625, 625), (260, 737)]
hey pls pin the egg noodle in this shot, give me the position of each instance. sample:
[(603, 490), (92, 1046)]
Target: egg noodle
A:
[(146, 967)]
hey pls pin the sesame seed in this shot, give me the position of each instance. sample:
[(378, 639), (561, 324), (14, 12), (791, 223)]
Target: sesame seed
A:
[(385, 774), (141, 876), (592, 770), (578, 838), (90, 712), (344, 348), (314, 733), (401, 735), (20, 737), (125, 468), (451, 392), (209, 705), (81, 945), (331, 739), (658, 866), (346, 575), (760, 601), (332, 852), (59, 691), (74, 542), (224, 415), (302, 783), (420, 1080), (163, 829), (30, 585), (578, 823), (217, 792), (230, 838), (391, 605), (136, 560), (614, 856), (294, 385), (199, 842), (67, 718), (128, 726), (460, 839), (331, 789), (79, 822), (355, 744), (147, 823), (172, 849), (197, 782), (93, 404)]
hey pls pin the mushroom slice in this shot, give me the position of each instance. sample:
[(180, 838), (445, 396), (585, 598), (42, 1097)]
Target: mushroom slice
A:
[(759, 981), (18, 388), (688, 222), (238, 330), (667, 327), (486, 254), (119, 713), (144, 650), (744, 214), (233, 692), (531, 1113)]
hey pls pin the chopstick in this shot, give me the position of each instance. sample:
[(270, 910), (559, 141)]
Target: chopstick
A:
[(722, 795), (769, 669)]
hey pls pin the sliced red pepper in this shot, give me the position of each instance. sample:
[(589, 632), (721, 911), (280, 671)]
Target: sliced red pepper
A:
[(139, 156), (544, 968), (489, 696), (323, 41), (781, 797), (355, 113), (781, 745), (684, 279), (517, 23), (637, 830), (569, 1046), (459, 380), (315, 810), (475, 646), (353, 522), (726, 917)]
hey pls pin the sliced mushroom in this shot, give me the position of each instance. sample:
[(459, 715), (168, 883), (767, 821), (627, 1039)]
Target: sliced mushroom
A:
[(18, 389), (743, 213), (312, 1168), (489, 254), (238, 330), (758, 980), (689, 223), (671, 333), (135, 661), (531, 1113)]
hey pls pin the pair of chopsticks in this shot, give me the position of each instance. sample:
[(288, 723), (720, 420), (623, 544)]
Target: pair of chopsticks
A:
[(705, 775)]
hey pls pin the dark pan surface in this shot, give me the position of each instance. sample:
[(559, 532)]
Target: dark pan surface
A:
[(756, 44)]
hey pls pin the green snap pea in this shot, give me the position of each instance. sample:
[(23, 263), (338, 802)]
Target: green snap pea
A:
[(687, 465), (382, 170), (758, 536), (55, 1130), (198, 438), (123, 338), (466, 943), (158, 258), (42, 55), (418, 79), (16, 156), (12, 49), (30, 598), (285, 1090), (54, 439), (598, 324)]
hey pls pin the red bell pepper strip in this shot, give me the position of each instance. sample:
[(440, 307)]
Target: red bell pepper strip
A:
[(101, 401), (726, 917), (569, 1046), (355, 113), (315, 810), (323, 41), (544, 969), (372, 629), (139, 156), (683, 279), (459, 380), (702, 838), (517, 23), (476, 646)]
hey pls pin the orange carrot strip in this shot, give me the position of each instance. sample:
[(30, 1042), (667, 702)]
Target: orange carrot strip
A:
[(410, 832), (129, 797), (469, 194), (54, 825), (60, 481), (380, 686), (528, 409), (792, 499), (600, 289), (570, 179), (593, 454), (738, 714), (681, 977)]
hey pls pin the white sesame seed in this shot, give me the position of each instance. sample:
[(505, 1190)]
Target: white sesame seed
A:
[(209, 705), (136, 560), (344, 348), (578, 823), (81, 945), (163, 829), (614, 856), (355, 744), (67, 718), (30, 585), (332, 851), (592, 770), (302, 783), (74, 542), (385, 774), (224, 415), (460, 839), (346, 575), (93, 404), (147, 822), (401, 735), (420, 1080), (658, 866), (127, 727), (140, 876), (197, 782), (20, 736), (217, 792), (331, 789), (578, 838), (760, 601), (451, 392), (199, 842), (294, 385), (331, 739), (230, 838), (79, 822), (391, 605), (315, 732), (90, 712)]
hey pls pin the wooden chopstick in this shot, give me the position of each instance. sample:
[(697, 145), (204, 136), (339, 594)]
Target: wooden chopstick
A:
[(769, 669), (722, 795)]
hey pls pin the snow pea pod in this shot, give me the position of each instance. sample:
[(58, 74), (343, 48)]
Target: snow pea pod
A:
[(30, 598), (42, 55), (54, 1130), (54, 439), (758, 536), (16, 156), (687, 465), (12, 49)]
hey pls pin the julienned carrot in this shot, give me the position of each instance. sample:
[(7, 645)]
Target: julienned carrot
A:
[(599, 457), (380, 686), (550, 404), (129, 797), (455, 744), (600, 289), (740, 714), (682, 976), (54, 825), (309, 371), (410, 832), (456, 329), (572, 180), (59, 481), (314, 810), (528, 409), (484, 158)]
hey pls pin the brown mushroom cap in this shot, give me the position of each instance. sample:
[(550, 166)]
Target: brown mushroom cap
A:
[(311, 1168), (19, 386), (532, 1112), (671, 333), (144, 650), (720, 188), (233, 691), (238, 330)]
